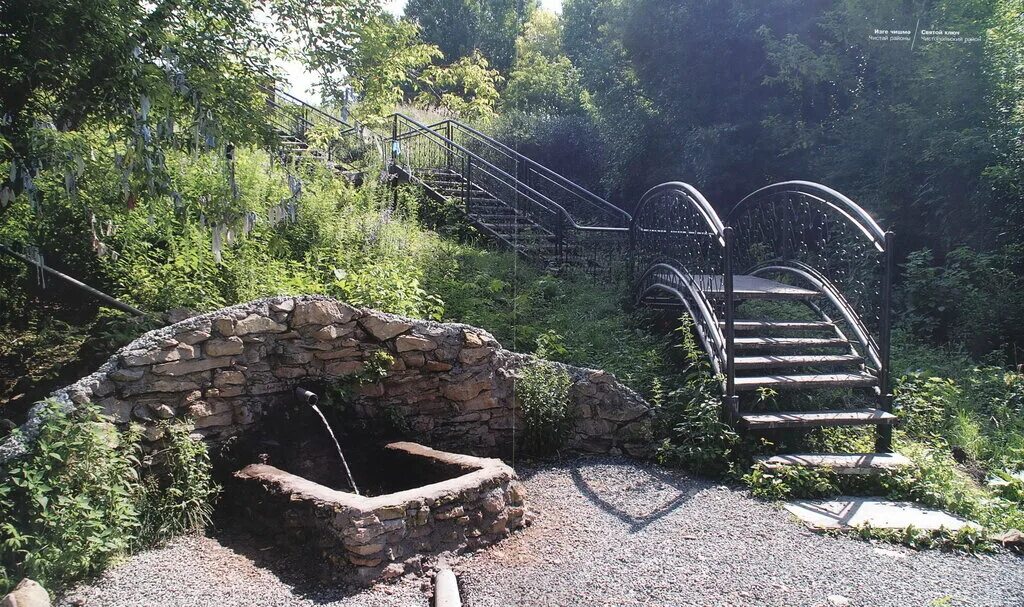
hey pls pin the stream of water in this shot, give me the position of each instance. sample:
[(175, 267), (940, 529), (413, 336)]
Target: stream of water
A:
[(351, 481)]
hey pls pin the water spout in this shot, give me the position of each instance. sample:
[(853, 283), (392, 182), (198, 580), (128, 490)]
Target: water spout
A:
[(312, 399)]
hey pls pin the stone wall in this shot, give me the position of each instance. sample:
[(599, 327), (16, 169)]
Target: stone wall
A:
[(452, 384), (366, 537)]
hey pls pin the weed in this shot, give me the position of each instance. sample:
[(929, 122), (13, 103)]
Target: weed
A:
[(543, 393)]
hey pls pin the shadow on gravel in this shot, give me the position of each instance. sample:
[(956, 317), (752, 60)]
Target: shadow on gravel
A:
[(291, 568), (636, 496)]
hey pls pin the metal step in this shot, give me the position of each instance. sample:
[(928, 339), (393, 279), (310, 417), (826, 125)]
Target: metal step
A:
[(752, 287), (819, 380), (840, 463), (788, 343), (808, 360), (816, 419), (756, 325)]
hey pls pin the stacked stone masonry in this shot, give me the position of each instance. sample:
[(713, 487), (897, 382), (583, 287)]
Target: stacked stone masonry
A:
[(452, 383), (365, 538)]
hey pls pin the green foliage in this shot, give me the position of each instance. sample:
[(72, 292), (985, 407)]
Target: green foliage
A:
[(461, 27), (697, 437), (934, 479), (543, 80), (790, 482), (178, 491), (973, 298), (699, 440), (385, 63), (467, 88), (551, 346), (977, 413), (965, 540), (69, 507), (377, 366), (520, 303), (690, 413), (81, 498), (542, 390)]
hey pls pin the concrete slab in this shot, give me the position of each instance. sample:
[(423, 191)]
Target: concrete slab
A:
[(846, 513), (843, 463)]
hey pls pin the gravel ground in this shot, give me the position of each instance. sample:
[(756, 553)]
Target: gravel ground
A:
[(606, 532)]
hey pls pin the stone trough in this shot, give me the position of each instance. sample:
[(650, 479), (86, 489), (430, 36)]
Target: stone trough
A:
[(472, 502)]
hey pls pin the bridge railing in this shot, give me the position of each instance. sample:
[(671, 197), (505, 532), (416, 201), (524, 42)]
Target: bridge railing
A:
[(814, 235), (682, 252)]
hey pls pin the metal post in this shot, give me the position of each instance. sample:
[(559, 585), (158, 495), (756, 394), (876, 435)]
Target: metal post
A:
[(394, 141), (466, 184), (450, 151), (883, 442), (732, 401)]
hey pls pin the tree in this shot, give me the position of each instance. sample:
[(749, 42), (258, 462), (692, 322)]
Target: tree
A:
[(466, 88), (458, 27), (387, 60), (543, 80)]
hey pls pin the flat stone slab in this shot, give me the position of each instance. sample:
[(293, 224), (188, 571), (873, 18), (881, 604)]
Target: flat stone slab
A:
[(847, 513), (840, 463)]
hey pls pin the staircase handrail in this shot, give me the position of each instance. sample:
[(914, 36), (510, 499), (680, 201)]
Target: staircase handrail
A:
[(841, 203), (528, 192), (701, 227), (560, 181)]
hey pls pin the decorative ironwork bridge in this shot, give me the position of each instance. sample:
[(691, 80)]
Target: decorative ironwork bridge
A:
[(789, 291)]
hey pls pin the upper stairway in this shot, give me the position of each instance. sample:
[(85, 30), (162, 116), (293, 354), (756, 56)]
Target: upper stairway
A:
[(519, 203), (304, 131)]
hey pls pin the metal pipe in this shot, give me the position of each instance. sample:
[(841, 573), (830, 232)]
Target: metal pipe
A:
[(306, 397), (446, 589), (76, 283)]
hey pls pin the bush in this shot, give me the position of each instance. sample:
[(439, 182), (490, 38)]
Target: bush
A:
[(790, 482), (698, 438), (178, 490), (542, 390), (70, 506), (81, 498), (971, 298)]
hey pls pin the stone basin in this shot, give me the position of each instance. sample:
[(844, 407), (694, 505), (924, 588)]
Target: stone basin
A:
[(468, 502)]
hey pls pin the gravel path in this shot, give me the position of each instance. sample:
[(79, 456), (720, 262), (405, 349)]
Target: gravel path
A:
[(607, 532)]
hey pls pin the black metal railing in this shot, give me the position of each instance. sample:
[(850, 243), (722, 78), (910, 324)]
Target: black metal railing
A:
[(318, 132), (681, 250), (420, 150), (812, 235), (583, 206)]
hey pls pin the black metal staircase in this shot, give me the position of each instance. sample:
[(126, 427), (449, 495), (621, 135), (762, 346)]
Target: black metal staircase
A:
[(790, 292)]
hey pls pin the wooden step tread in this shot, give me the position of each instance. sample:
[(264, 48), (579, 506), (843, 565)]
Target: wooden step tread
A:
[(817, 380), (751, 287), (751, 343), (788, 325), (840, 463), (796, 360), (815, 419)]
